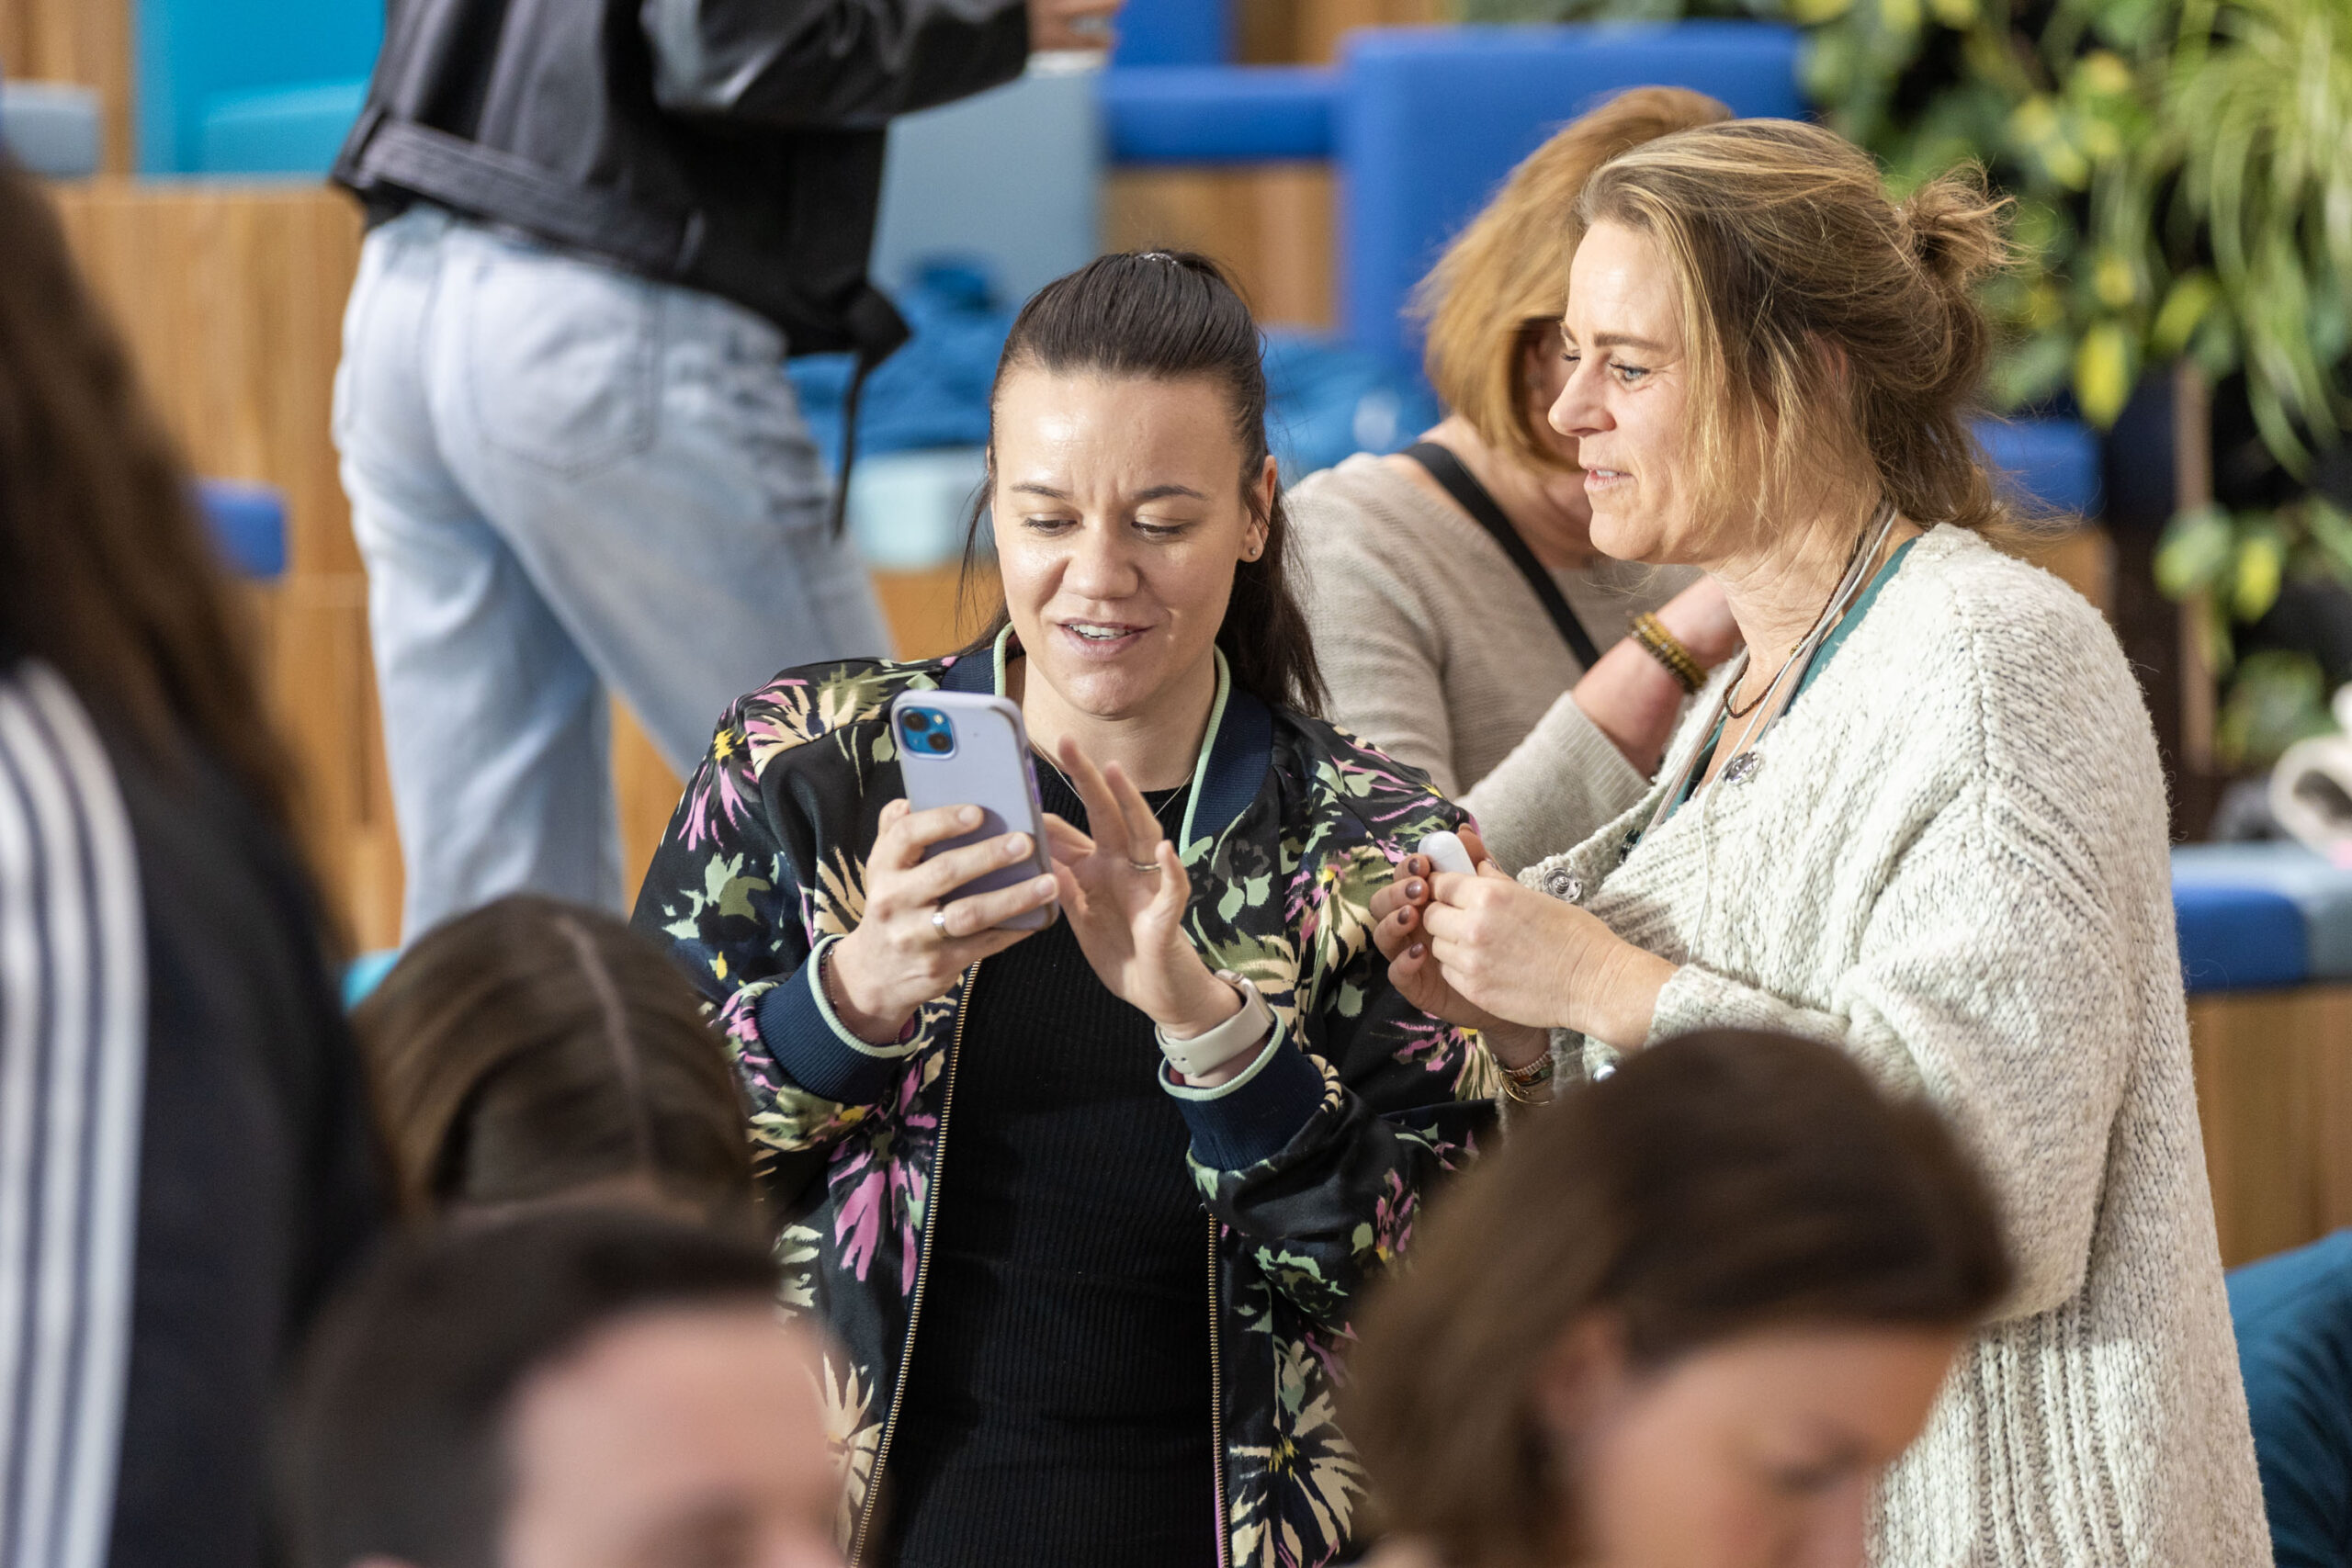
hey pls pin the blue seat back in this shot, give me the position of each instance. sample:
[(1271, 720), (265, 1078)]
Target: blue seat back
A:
[(199, 57), (1174, 32), (1431, 119)]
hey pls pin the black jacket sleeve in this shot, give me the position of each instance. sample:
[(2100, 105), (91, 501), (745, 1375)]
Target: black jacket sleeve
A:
[(829, 64)]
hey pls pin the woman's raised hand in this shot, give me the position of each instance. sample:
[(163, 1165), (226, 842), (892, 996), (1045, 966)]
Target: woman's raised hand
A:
[(901, 956), (1398, 911), (1124, 892), (1487, 954)]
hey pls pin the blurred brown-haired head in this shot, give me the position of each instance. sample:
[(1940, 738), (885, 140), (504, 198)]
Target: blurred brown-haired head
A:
[(1718, 1186), (534, 1051), (1499, 287)]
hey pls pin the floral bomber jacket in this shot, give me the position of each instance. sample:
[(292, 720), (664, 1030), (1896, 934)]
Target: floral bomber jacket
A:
[(1310, 1165)]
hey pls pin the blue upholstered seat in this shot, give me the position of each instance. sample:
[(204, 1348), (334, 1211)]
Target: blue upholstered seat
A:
[(1218, 114), (257, 85), (293, 131), (2214, 878), (248, 523), (1175, 32), (2049, 464), (1430, 120)]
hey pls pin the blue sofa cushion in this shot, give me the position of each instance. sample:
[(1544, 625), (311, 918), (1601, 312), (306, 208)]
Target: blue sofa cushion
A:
[(1177, 114), (2294, 1318), (2238, 938), (2320, 890)]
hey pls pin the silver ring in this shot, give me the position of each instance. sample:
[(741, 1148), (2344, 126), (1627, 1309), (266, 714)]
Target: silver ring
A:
[(939, 924), (1150, 867)]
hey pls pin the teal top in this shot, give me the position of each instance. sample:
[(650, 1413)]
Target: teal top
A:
[(1822, 655)]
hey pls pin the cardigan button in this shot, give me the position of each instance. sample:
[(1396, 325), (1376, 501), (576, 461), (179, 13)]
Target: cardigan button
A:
[(1741, 767), (1563, 884)]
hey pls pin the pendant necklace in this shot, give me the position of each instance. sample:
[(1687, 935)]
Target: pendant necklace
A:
[(1746, 763)]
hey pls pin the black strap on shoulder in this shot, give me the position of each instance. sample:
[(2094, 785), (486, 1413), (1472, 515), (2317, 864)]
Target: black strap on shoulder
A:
[(1470, 495)]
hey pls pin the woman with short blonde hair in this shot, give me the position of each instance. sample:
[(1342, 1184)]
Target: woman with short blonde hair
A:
[(1921, 820), (1454, 588)]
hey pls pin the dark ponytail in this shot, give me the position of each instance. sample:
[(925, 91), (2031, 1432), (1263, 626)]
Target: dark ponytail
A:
[(1171, 316)]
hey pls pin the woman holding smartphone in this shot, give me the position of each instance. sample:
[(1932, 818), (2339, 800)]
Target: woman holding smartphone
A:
[(1191, 1115)]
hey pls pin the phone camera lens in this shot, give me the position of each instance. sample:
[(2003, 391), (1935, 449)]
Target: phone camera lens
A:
[(917, 719), (941, 743)]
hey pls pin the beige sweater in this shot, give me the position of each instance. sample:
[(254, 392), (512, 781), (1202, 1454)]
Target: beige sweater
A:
[(1438, 653), (1951, 864)]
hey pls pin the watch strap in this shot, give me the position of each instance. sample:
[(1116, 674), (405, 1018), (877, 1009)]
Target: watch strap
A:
[(1205, 1052)]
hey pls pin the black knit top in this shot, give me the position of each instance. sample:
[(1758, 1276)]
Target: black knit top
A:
[(1057, 1406)]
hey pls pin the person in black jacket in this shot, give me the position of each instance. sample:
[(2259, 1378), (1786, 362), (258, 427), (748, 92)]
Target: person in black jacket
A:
[(185, 1158), (599, 228)]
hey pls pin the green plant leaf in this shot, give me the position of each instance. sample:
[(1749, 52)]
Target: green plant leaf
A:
[(2103, 371), (2193, 294), (2260, 567), (2197, 544)]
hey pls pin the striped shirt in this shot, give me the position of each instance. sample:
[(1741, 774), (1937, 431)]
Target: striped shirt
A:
[(73, 1059)]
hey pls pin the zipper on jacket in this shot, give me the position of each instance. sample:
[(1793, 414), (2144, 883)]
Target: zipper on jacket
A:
[(923, 1281), (1216, 1402)]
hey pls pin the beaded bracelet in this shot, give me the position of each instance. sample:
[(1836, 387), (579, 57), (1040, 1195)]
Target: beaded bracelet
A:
[(1668, 649)]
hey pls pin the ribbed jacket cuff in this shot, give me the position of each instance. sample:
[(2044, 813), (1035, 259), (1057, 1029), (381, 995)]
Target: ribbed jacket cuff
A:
[(816, 1050), (1256, 1115)]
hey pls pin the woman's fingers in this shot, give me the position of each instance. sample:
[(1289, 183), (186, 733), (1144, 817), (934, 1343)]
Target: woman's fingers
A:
[(1402, 894), (940, 876), (1103, 818), (1136, 813), (1064, 842), (902, 840), (1175, 888), (1393, 932), (978, 913), (1474, 844)]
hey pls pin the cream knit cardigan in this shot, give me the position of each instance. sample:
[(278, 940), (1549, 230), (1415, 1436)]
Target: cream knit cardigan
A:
[(1951, 864)]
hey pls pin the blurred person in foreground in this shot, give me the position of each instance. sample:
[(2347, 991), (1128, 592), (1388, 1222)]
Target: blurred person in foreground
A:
[(575, 1389), (598, 228), (1684, 1319), (184, 1151), (534, 1053), (1464, 619)]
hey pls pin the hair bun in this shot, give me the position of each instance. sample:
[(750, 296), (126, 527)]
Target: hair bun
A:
[(1958, 229)]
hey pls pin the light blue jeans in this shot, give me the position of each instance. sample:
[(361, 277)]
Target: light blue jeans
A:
[(564, 479)]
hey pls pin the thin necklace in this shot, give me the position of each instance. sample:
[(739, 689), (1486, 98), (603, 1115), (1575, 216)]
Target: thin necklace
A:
[(1732, 708), (1744, 762), (1159, 809)]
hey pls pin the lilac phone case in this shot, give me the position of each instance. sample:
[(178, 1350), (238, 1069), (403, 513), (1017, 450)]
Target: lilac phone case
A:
[(988, 765)]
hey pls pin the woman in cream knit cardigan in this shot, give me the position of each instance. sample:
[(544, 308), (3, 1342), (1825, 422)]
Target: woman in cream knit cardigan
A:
[(1921, 820)]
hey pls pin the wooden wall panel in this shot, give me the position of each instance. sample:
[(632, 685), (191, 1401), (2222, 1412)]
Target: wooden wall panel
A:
[(83, 42), (230, 299), (1271, 223), (2274, 1093)]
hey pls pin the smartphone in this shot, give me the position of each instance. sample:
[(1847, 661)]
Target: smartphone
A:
[(965, 748)]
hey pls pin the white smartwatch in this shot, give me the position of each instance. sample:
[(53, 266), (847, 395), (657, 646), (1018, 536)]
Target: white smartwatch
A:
[(1245, 1030)]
